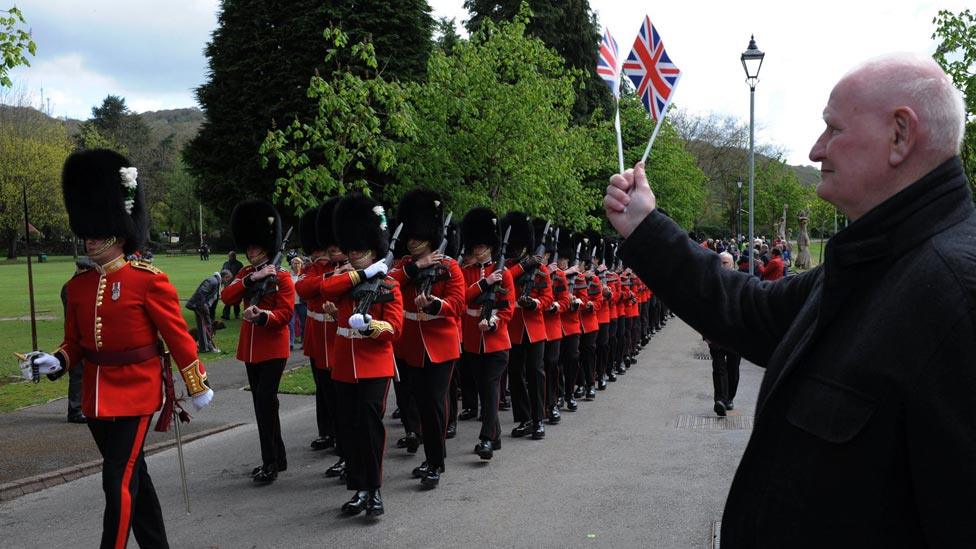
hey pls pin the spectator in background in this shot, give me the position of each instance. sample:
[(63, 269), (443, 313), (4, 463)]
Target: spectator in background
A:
[(297, 324), (725, 361), (232, 265), (200, 303), (775, 268)]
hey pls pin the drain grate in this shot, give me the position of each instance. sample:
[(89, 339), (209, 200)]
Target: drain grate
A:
[(713, 423), (716, 534), (702, 355)]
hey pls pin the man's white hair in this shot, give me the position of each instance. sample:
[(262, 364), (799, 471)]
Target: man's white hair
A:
[(937, 102)]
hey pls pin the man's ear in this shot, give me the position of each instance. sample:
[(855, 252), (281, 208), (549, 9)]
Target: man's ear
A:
[(905, 136)]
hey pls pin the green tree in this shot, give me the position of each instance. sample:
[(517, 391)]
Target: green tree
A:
[(957, 56), (494, 129), (445, 35), (357, 125), (261, 57), (15, 44), (569, 26)]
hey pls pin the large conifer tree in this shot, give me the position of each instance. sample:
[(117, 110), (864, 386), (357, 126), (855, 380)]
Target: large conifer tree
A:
[(262, 56)]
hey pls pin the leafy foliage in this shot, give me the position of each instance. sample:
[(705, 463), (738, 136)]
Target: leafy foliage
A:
[(357, 124), (957, 56), (15, 44)]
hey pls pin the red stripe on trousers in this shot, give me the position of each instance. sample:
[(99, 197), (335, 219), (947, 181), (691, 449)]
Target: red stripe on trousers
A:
[(125, 501)]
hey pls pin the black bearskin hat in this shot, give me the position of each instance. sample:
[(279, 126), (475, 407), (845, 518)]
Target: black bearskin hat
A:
[(359, 223), (95, 198), (422, 214), (479, 226), (306, 229), (521, 238), (593, 239), (324, 233), (256, 223), (538, 225), (566, 247)]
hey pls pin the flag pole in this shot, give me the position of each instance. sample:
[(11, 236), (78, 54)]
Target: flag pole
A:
[(657, 127), (620, 140)]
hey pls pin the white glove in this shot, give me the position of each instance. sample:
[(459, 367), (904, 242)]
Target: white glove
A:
[(46, 364), (360, 322), (200, 401), (380, 267)]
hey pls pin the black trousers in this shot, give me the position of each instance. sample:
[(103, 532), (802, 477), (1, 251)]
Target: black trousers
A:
[(645, 318), (488, 370), (655, 314), (360, 423), (467, 366), (429, 387), (725, 372), (602, 350), (264, 378), (621, 348), (551, 362), (612, 343), (635, 333), (409, 414), (226, 312), (588, 357), (527, 377), (452, 397), (324, 401), (130, 499), (569, 352)]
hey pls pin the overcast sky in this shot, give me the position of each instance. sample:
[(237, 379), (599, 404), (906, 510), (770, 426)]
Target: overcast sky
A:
[(151, 52)]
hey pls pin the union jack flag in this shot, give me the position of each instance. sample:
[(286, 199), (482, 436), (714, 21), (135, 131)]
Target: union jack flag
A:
[(651, 70), (608, 64)]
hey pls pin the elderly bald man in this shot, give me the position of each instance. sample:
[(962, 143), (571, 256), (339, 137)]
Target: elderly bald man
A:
[(864, 432)]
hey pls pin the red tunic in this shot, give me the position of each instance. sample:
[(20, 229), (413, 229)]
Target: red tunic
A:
[(526, 321), (128, 306), (436, 335), (588, 291), (603, 314), (356, 355), (610, 304), (570, 319), (561, 295), (474, 340), (307, 287), (259, 343)]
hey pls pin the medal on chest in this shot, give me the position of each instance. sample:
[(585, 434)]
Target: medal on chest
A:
[(116, 290)]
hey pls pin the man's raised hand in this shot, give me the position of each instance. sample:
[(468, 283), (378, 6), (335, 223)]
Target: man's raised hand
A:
[(629, 199)]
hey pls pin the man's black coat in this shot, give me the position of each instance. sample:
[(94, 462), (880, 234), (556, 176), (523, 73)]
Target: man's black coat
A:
[(865, 428)]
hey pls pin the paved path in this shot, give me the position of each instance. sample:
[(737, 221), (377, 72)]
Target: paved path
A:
[(642, 466)]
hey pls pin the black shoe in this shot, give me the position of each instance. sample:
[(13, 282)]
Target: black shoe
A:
[(265, 474), (486, 449), (432, 478), (579, 392), (374, 506), (560, 402), (77, 418), (621, 370), (522, 429), (728, 405), (451, 430), (321, 443), (412, 442), (467, 414), (337, 470), (395, 414), (538, 431), (419, 472), (590, 393), (357, 504), (719, 408), (611, 377), (504, 405), (554, 416), (571, 404), (601, 385)]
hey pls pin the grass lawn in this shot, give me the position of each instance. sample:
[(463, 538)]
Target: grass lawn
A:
[(185, 272), (298, 382)]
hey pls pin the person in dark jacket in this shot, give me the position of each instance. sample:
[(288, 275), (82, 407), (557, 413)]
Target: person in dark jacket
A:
[(233, 265), (864, 434)]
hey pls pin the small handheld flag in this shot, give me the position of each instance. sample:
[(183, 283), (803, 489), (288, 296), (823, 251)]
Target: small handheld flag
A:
[(654, 75), (608, 67)]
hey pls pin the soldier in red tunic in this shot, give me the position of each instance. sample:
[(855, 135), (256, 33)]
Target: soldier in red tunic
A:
[(489, 298), (588, 290), (603, 317), (115, 314), (433, 287), (362, 356), (553, 318), (527, 329), (611, 293), (570, 320), (263, 344)]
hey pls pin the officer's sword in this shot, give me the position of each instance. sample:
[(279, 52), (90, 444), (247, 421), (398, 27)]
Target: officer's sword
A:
[(179, 452), (35, 372)]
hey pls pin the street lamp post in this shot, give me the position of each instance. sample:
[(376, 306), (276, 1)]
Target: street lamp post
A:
[(738, 213), (752, 60)]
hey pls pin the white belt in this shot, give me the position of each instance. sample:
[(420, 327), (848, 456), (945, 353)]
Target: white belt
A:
[(350, 334), (474, 312), (317, 316), (422, 316)]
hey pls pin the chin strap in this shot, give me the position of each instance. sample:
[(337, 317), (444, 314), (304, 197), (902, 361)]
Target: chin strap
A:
[(105, 245)]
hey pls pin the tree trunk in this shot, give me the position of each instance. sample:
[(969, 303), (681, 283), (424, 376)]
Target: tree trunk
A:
[(11, 236)]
